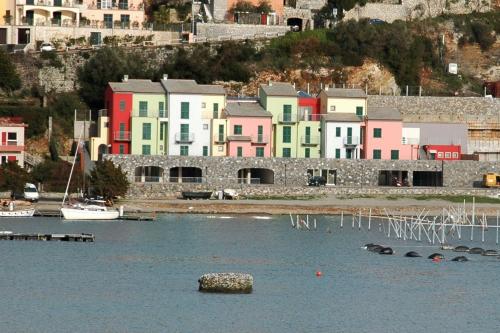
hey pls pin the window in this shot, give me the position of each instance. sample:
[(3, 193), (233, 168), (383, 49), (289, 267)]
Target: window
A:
[(125, 21), (161, 131), (260, 133), (287, 113), (123, 4), (332, 108), (184, 110), (359, 110), (184, 150), (377, 132), (238, 130), (455, 155), (220, 148), (447, 154), (216, 111), (307, 138), (259, 151), (146, 150), (146, 131), (337, 153), (106, 124), (121, 149), (205, 150), (203, 105), (338, 132), (394, 154), (143, 109), (307, 153), (440, 155), (239, 151), (184, 133), (12, 136), (205, 126), (221, 133), (287, 152), (121, 133), (122, 105), (108, 20), (161, 109), (287, 134), (377, 154)]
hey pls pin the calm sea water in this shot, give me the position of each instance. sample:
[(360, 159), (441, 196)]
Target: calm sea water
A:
[(142, 277)]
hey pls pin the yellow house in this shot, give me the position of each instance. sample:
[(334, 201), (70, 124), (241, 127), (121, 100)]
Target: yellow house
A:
[(211, 110), (99, 143), (340, 100), (7, 8)]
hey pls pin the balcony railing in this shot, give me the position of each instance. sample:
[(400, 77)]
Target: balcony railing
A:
[(287, 118), (309, 140), (351, 140), (11, 146), (52, 3), (121, 135), (149, 113), (310, 117), (220, 139), (260, 139), (409, 141), (184, 137)]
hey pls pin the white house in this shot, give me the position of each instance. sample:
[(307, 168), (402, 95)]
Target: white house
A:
[(341, 136)]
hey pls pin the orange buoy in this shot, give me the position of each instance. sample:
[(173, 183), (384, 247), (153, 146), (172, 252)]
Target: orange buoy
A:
[(319, 274)]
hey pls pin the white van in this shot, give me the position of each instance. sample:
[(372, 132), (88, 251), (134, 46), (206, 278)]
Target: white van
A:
[(31, 193)]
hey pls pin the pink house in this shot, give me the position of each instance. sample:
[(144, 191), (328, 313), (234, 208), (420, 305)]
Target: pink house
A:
[(249, 130), (383, 133)]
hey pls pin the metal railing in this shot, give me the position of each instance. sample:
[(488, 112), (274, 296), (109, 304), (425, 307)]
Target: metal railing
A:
[(248, 180), (260, 138), (148, 179), (309, 140), (149, 113), (409, 141), (182, 137), (350, 140), (310, 117), (187, 179), (287, 118), (121, 135), (220, 138), (52, 3)]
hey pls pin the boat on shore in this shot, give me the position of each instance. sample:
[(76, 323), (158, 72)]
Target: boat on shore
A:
[(89, 210), (190, 195), (18, 213)]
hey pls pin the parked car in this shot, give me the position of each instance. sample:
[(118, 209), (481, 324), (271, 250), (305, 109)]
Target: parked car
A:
[(316, 181), (47, 47), (376, 21), (31, 193)]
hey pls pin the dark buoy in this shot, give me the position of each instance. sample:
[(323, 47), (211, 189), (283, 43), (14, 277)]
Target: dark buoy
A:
[(490, 253), (461, 248), (412, 254), (375, 248), (436, 256), (460, 259), (476, 250), (386, 250)]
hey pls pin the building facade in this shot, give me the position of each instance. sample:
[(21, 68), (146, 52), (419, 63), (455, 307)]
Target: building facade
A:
[(12, 140), (341, 136)]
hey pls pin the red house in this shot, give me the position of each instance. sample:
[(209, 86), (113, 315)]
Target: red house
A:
[(118, 101), (309, 107), (443, 152)]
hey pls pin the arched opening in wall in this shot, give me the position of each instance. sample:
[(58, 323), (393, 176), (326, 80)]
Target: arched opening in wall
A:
[(148, 174), (101, 150), (296, 23), (186, 175), (393, 178), (255, 176)]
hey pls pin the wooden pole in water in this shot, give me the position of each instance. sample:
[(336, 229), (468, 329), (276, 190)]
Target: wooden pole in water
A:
[(341, 219), (482, 231), (291, 220), (370, 219), (359, 220), (497, 227), (473, 218), (353, 217)]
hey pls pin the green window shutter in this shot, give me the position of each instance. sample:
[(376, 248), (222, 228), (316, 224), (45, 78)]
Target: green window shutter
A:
[(216, 111), (184, 110), (161, 109), (122, 105), (239, 151), (238, 129), (307, 153), (146, 150), (394, 154), (122, 149), (259, 151), (287, 152), (377, 132), (205, 150), (337, 153), (338, 132), (287, 134), (161, 131), (287, 112), (143, 109), (146, 131), (359, 110), (377, 154), (184, 132), (184, 150), (260, 133), (221, 133)]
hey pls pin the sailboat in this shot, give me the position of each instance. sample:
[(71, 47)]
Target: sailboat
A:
[(88, 210)]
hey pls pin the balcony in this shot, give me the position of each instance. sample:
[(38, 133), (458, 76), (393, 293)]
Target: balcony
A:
[(310, 117), (287, 118), (239, 137), (309, 140), (409, 141), (181, 137), (350, 140), (121, 135), (11, 146), (149, 113), (52, 3), (260, 139), (220, 138)]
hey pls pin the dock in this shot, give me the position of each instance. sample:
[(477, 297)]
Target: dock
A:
[(6, 235), (125, 217)]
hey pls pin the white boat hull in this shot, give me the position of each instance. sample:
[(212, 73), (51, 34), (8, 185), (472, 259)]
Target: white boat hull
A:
[(83, 214), (17, 213)]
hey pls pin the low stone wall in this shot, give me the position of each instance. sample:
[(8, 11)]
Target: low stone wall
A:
[(238, 31)]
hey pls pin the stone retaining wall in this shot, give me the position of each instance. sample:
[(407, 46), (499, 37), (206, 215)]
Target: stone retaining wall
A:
[(238, 31)]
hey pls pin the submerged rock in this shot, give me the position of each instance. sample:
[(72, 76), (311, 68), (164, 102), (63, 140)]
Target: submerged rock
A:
[(461, 248), (490, 253), (233, 283), (476, 250), (412, 254), (386, 250), (460, 259)]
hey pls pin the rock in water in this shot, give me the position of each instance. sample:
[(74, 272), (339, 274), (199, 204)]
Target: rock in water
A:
[(233, 283)]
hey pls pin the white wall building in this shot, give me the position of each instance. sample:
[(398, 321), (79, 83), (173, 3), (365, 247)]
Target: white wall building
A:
[(341, 136)]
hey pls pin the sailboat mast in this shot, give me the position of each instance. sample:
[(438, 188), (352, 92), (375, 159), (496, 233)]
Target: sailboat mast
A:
[(72, 167)]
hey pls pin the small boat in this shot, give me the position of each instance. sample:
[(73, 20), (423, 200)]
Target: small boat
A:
[(230, 194), (89, 210), (189, 195), (18, 213)]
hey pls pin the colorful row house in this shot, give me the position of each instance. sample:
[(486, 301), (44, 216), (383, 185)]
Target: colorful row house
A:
[(12, 140)]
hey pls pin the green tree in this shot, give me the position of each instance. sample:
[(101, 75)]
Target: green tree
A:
[(108, 180), (483, 35), (62, 107), (54, 175), (12, 177), (9, 79), (161, 16)]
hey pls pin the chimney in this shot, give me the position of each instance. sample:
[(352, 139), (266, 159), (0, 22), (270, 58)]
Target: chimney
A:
[(270, 84), (165, 77), (125, 78), (326, 87)]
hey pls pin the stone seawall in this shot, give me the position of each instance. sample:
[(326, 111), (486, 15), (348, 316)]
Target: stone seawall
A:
[(238, 31)]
